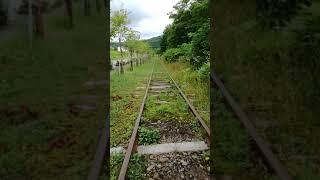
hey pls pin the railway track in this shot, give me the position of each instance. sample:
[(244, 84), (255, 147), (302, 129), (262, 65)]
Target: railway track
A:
[(266, 153), (180, 152), (175, 146)]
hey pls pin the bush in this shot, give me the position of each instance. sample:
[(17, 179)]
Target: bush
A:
[(186, 50), (204, 72), (172, 55), (200, 46), (148, 136)]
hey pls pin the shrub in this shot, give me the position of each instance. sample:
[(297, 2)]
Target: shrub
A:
[(172, 55), (200, 46), (204, 71), (148, 136), (184, 51)]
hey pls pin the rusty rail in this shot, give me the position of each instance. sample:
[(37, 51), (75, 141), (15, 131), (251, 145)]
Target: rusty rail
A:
[(273, 162), (126, 160), (193, 109), (124, 168), (100, 153)]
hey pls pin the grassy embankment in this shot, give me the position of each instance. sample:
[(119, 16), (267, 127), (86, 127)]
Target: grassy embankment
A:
[(42, 136), (259, 68), (192, 84)]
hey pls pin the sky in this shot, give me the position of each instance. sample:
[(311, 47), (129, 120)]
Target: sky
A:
[(149, 17)]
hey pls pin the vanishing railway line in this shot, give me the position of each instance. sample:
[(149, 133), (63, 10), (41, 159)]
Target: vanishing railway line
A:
[(177, 143), (161, 83)]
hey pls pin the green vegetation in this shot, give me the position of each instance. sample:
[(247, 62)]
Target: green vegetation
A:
[(233, 151), (127, 38), (154, 42), (136, 169), (175, 107), (148, 136), (43, 136), (194, 84), (116, 161), (115, 55), (185, 48), (273, 71), (126, 100), (188, 35)]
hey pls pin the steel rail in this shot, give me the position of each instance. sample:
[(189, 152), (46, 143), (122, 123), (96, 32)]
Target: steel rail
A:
[(126, 160), (124, 168), (193, 109), (275, 164), (100, 153)]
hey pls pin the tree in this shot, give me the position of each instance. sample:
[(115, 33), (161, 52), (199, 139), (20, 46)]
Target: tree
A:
[(142, 49), (189, 32), (39, 8), (98, 6), (68, 4), (86, 7), (119, 22), (277, 13), (131, 41), (3, 15)]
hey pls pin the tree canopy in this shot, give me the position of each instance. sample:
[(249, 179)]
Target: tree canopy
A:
[(188, 35), (119, 24)]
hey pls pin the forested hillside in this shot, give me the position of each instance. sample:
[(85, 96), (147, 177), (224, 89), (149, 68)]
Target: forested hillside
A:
[(154, 42)]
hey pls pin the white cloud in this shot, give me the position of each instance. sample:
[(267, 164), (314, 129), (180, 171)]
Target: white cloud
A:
[(150, 17)]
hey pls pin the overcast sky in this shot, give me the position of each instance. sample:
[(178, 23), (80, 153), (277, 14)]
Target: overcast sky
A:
[(149, 17)]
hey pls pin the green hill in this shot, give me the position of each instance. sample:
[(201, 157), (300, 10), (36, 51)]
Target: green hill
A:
[(154, 42)]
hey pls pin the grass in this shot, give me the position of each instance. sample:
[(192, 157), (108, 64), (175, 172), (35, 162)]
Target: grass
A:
[(124, 111), (115, 54), (124, 107), (148, 136), (174, 109), (136, 169), (40, 138), (257, 67), (193, 86), (233, 150)]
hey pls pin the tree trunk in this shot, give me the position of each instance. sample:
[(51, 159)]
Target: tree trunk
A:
[(98, 6), (121, 53), (131, 63), (69, 12), (39, 29), (121, 67), (86, 7), (105, 4), (30, 23)]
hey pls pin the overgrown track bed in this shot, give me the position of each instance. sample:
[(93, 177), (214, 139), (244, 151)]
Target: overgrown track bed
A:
[(170, 139), (265, 151)]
